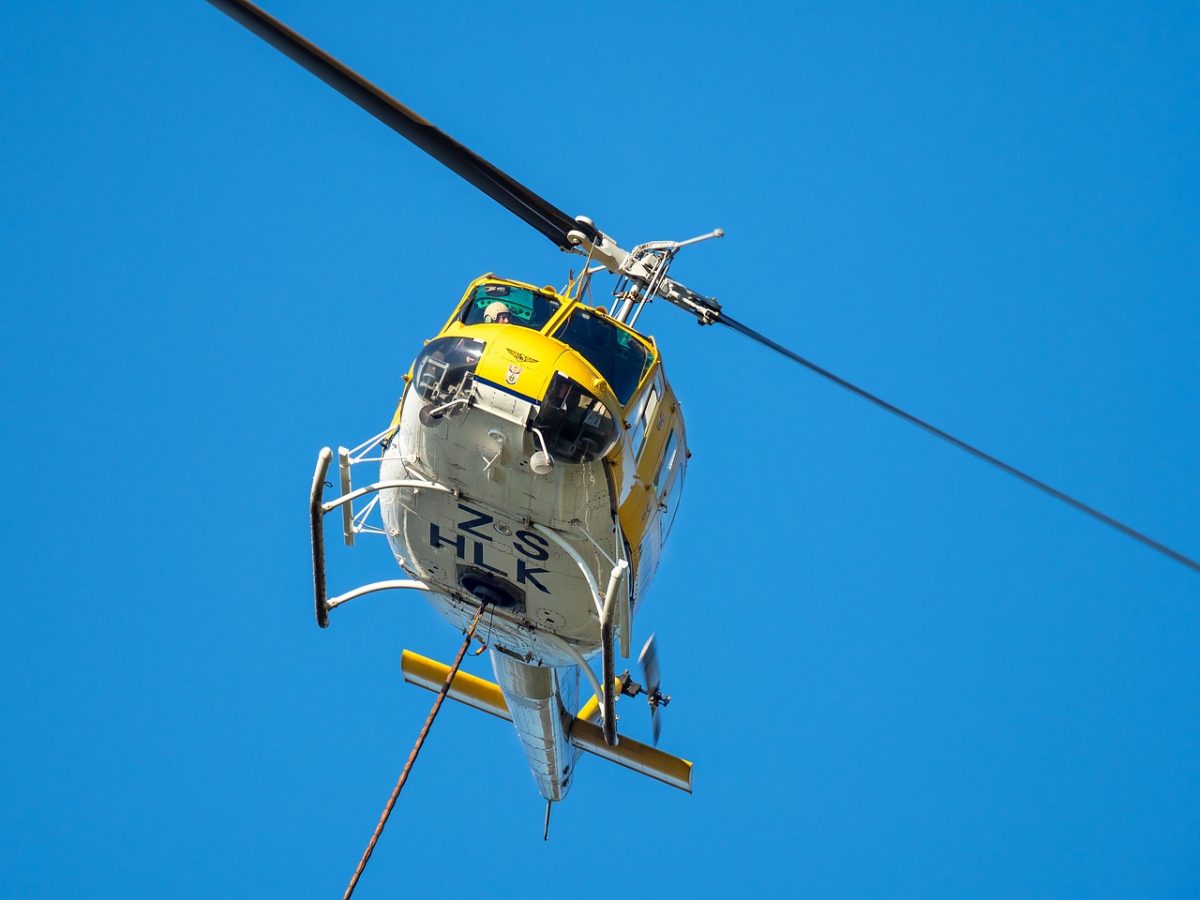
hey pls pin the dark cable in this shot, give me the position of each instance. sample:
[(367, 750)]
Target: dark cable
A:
[(963, 445)]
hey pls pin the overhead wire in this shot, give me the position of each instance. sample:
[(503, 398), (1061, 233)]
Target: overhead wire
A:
[(1000, 464)]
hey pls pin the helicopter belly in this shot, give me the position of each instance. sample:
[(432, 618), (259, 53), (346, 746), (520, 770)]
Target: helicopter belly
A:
[(486, 536)]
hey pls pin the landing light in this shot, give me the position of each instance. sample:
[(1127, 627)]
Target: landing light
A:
[(541, 463)]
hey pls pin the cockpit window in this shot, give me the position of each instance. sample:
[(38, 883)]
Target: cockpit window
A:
[(615, 353), (526, 307)]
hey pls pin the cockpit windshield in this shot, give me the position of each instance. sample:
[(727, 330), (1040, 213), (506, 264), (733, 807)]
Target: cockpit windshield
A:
[(616, 354), (524, 307)]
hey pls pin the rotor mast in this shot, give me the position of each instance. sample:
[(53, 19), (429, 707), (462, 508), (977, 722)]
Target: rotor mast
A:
[(642, 272)]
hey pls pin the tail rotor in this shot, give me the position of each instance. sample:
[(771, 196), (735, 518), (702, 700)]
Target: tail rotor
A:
[(651, 675)]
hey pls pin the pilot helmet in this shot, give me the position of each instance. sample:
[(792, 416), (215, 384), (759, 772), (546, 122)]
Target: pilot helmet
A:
[(495, 310)]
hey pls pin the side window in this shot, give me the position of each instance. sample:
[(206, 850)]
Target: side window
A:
[(670, 503), (644, 415), (667, 466)]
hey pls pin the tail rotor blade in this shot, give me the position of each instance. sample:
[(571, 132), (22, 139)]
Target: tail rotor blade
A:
[(648, 660)]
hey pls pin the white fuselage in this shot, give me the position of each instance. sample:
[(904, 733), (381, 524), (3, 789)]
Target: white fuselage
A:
[(494, 529)]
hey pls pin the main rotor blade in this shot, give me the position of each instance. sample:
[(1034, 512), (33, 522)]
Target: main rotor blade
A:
[(962, 445), (505, 190)]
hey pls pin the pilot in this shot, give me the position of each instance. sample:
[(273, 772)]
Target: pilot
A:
[(497, 312)]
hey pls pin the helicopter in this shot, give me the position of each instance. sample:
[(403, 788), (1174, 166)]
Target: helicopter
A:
[(534, 466)]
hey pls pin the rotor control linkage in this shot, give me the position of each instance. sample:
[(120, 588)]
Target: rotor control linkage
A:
[(642, 272)]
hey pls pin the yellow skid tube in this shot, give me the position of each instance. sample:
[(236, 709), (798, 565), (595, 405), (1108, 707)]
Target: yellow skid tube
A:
[(487, 697)]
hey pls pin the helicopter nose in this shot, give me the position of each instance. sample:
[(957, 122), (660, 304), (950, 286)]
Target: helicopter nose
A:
[(518, 361)]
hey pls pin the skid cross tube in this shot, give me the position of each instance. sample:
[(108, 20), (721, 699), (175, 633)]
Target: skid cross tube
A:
[(383, 486), (375, 587), (565, 646)]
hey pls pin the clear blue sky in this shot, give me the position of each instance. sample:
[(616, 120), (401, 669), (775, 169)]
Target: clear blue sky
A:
[(899, 673)]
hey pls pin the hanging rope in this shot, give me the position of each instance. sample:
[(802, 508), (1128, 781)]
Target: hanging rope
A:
[(412, 757)]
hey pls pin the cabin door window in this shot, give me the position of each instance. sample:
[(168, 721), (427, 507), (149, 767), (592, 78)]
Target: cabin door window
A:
[(668, 484), (670, 503), (667, 466), (644, 415)]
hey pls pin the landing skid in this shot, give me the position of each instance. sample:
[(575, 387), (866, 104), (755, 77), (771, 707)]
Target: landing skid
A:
[(612, 605), (318, 508)]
